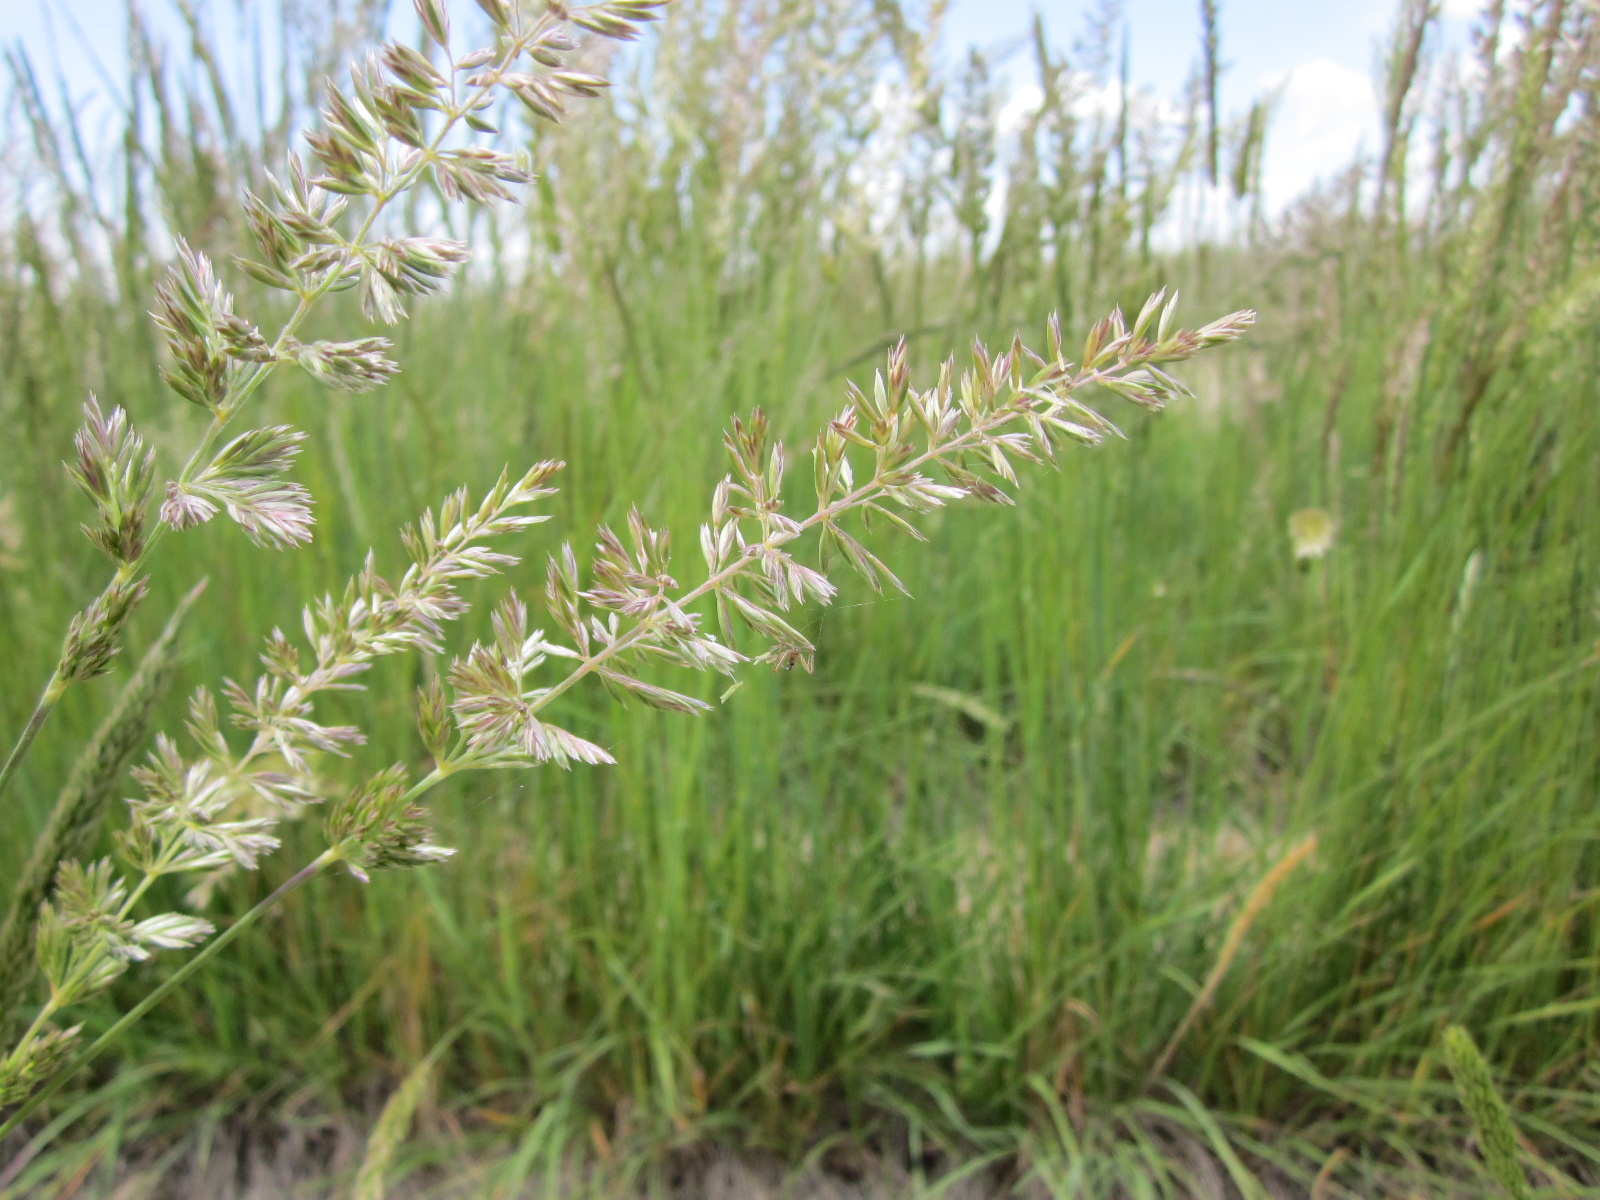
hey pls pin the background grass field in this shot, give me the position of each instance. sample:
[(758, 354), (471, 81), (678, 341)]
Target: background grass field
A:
[(953, 895)]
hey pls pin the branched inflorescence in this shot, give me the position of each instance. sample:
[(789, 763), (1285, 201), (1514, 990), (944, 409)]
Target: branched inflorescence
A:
[(892, 455), (319, 229), (217, 810)]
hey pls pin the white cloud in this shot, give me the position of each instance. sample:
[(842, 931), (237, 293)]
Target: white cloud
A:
[(1326, 114), (1022, 104)]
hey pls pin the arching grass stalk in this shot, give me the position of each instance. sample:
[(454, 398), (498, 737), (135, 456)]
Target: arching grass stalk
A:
[(217, 810)]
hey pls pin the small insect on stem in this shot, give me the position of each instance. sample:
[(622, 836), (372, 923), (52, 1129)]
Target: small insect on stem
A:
[(790, 656)]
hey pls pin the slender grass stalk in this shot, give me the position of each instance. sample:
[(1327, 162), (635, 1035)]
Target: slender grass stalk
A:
[(75, 819), (1255, 903), (110, 1037), (42, 709), (1212, 67)]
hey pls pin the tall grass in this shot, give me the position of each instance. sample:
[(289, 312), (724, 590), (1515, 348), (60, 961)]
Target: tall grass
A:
[(959, 891)]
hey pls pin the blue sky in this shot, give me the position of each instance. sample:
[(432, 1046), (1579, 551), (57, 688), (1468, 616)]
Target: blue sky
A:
[(1319, 54)]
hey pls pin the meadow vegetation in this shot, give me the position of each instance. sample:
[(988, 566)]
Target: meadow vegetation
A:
[(1139, 855)]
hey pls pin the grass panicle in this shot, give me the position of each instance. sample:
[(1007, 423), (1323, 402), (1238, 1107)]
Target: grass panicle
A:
[(955, 894), (1497, 1136)]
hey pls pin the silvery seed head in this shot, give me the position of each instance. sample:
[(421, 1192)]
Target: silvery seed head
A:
[(92, 635), (115, 471)]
